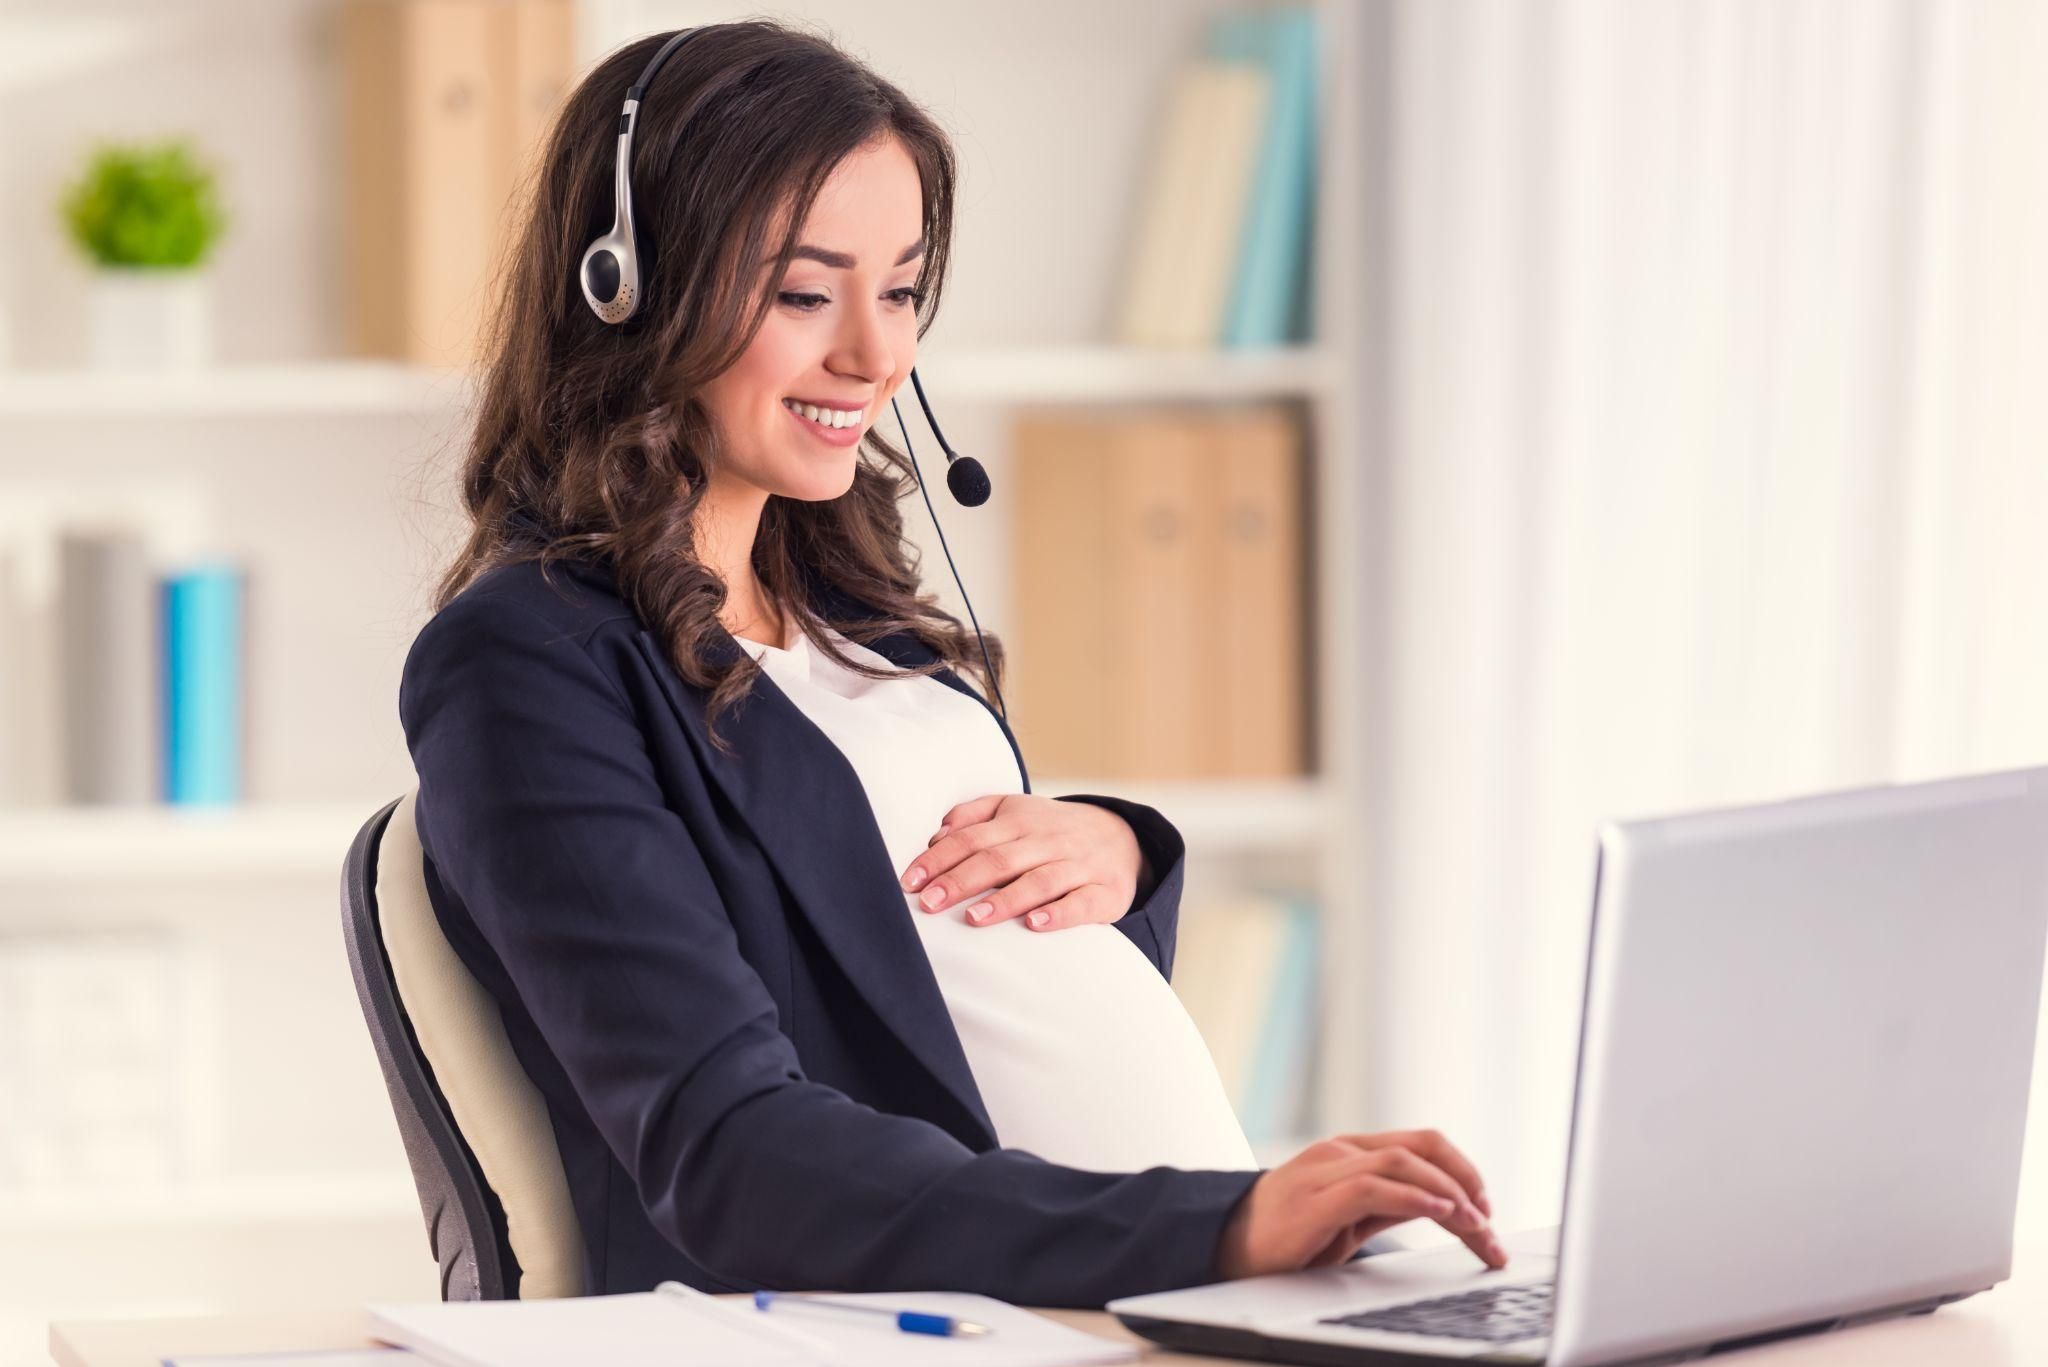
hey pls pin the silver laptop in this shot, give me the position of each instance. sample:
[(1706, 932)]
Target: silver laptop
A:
[(1807, 1036)]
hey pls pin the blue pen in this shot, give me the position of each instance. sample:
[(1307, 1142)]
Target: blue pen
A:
[(909, 1321)]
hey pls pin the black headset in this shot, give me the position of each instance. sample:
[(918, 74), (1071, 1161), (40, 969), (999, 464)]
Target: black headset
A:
[(610, 276)]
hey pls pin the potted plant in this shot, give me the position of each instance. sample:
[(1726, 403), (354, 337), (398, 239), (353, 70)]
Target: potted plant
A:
[(147, 216)]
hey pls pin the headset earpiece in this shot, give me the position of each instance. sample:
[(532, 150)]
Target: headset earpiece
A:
[(611, 277)]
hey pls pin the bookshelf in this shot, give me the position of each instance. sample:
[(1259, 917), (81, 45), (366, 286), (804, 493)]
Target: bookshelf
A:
[(346, 430)]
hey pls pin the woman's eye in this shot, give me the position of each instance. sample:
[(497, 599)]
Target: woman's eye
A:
[(810, 303)]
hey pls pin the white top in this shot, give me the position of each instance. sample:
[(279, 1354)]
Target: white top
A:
[(1081, 1051)]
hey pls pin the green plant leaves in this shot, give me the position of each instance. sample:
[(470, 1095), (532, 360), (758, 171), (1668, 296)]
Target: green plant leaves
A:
[(144, 205)]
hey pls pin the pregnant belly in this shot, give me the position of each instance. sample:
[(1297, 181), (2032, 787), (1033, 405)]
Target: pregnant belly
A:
[(1081, 1051)]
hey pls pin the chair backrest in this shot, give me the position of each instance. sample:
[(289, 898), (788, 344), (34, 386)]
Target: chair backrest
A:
[(476, 1131)]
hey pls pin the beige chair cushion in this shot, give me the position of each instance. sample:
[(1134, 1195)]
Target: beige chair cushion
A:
[(496, 1105)]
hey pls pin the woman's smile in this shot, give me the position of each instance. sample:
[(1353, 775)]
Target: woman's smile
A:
[(848, 435)]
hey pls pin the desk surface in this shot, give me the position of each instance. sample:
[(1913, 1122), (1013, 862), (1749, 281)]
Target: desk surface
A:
[(2005, 1327)]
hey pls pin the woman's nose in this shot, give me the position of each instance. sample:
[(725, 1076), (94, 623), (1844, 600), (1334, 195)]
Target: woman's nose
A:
[(865, 346)]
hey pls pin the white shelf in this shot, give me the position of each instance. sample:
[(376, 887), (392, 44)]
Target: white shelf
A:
[(1221, 815), (159, 841), (82, 845), (1042, 374), (1117, 374), (312, 387), (315, 1199)]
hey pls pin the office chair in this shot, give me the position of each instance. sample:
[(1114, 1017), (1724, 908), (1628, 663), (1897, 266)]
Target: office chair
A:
[(476, 1130)]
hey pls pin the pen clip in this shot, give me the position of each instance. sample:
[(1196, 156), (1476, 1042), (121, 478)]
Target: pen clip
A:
[(750, 1319)]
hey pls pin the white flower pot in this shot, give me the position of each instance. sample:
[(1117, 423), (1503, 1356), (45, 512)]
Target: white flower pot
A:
[(146, 318)]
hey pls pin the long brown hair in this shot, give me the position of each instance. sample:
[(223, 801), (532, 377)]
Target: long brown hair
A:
[(589, 443)]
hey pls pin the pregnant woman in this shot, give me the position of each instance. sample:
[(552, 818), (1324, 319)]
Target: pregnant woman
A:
[(818, 993)]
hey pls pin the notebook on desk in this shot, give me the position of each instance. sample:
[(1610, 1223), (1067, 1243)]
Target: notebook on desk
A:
[(680, 1327)]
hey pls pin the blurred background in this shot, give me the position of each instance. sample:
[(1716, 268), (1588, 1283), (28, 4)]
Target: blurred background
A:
[(1421, 430)]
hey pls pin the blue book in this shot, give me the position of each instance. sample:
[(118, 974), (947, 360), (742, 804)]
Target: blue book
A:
[(202, 673), (1269, 297), (1278, 1077)]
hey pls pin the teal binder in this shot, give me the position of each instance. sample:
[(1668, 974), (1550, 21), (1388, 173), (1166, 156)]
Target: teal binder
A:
[(1269, 298), (202, 641)]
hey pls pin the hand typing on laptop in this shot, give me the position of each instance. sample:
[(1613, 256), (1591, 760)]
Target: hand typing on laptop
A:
[(1318, 1207)]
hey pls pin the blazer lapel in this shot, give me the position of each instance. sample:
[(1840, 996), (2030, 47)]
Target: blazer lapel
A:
[(804, 803)]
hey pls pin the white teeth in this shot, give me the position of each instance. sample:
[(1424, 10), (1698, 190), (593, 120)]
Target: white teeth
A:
[(824, 417)]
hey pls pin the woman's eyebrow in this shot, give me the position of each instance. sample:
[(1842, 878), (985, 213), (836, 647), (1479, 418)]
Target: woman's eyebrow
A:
[(844, 260)]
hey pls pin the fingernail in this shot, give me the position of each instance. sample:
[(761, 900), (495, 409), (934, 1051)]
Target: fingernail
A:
[(914, 880), (1479, 1198), (934, 896), (1038, 918), (1443, 1207), (979, 911), (941, 835)]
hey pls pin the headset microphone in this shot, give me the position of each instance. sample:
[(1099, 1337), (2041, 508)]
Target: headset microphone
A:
[(964, 475), (611, 279)]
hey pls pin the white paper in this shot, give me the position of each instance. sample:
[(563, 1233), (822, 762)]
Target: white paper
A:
[(304, 1357), (661, 1330)]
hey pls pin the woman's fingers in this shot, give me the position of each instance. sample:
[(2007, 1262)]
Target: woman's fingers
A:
[(1413, 1167), (968, 859), (1432, 1145), (1351, 1199), (1392, 1181), (1028, 892)]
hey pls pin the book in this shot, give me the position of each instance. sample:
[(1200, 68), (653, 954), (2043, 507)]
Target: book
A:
[(1192, 208), (1279, 1074), (1245, 971), (1235, 95), (1268, 302), (1225, 963), (108, 652), (202, 674), (678, 1326)]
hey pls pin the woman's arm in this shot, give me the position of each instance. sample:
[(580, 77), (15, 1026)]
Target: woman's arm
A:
[(543, 810)]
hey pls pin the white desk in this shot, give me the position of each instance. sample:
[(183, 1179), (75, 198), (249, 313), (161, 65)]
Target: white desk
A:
[(2005, 1327)]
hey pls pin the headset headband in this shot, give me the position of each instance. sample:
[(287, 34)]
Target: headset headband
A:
[(610, 272)]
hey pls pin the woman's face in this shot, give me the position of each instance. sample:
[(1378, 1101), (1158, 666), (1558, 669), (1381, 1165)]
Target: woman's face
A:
[(841, 334)]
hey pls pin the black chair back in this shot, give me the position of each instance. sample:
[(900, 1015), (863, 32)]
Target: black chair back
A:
[(465, 1222)]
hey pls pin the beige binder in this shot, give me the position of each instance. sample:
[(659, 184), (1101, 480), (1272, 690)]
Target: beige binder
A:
[(1061, 652), (1158, 593), (445, 100), (1253, 561), (1156, 597)]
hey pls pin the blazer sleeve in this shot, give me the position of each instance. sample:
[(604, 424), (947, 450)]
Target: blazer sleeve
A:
[(1154, 918), (544, 812)]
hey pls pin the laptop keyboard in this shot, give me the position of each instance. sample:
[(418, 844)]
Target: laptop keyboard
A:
[(1495, 1314)]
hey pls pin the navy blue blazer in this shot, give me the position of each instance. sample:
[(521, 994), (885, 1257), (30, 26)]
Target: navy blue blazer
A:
[(706, 965)]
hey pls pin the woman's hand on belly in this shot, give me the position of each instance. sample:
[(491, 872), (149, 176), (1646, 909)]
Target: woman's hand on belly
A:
[(1054, 863)]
